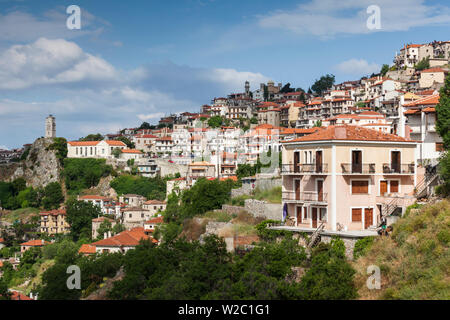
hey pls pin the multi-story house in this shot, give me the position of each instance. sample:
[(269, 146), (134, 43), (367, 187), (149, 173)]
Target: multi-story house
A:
[(93, 149), (421, 119), (54, 222), (154, 206), (163, 146), (148, 168), (201, 169), (433, 77), (347, 177), (145, 142)]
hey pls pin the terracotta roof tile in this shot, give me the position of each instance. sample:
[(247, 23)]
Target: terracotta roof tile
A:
[(347, 132)]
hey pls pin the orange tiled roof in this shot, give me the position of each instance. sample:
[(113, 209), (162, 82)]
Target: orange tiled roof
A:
[(154, 202), (53, 212), (19, 296), (83, 143), (429, 109), (131, 151), (93, 197), (347, 132), (428, 100), (35, 243), (115, 143), (101, 219), (155, 220), (129, 238), (87, 249), (430, 70)]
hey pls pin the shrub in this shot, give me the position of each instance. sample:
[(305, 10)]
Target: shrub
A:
[(362, 246)]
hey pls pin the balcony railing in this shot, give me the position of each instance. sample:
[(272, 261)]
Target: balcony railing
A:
[(307, 196), (404, 168), (354, 168), (304, 168)]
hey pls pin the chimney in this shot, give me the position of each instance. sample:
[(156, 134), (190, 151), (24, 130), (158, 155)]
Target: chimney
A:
[(109, 234), (42, 241), (340, 132), (105, 235)]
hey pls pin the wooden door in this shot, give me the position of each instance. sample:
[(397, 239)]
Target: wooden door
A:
[(318, 161), (368, 217), (299, 215), (296, 161), (319, 190), (314, 217), (356, 161), (395, 161), (297, 189), (383, 187)]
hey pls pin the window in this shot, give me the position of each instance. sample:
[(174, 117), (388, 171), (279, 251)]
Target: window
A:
[(439, 146), (394, 186), (130, 215), (356, 215), (360, 187), (323, 214), (305, 213)]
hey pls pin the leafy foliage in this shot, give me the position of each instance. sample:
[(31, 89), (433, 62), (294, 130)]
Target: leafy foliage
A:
[(443, 128), (323, 84), (84, 173), (60, 145), (79, 216), (422, 64), (152, 188)]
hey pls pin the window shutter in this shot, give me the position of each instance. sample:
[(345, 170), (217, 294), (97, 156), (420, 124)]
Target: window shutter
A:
[(356, 215), (360, 187), (394, 186)]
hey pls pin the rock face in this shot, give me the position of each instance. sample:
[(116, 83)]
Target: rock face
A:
[(41, 166)]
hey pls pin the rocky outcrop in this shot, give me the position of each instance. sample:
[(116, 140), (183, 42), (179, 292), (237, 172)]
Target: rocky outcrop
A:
[(41, 166)]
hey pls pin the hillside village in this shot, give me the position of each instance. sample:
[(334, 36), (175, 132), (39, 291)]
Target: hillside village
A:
[(345, 160)]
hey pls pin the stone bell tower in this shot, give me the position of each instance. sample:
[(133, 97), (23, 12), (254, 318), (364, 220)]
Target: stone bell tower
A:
[(50, 127)]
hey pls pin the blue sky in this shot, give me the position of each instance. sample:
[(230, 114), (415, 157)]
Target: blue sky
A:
[(134, 62)]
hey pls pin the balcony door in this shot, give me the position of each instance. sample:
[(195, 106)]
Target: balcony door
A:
[(318, 161), (319, 190), (314, 217), (395, 161), (356, 161), (296, 162), (297, 189), (299, 215), (368, 217)]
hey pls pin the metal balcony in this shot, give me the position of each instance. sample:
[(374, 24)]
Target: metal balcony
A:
[(312, 168), (354, 168), (306, 196), (404, 168)]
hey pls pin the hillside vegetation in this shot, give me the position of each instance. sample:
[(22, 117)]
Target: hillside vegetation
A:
[(415, 261)]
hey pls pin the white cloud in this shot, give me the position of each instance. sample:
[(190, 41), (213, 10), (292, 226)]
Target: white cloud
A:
[(328, 17), (357, 67), (145, 117), (89, 95), (22, 26), (47, 61)]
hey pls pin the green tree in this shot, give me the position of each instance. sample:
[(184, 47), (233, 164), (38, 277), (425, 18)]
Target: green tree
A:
[(84, 173), (104, 227), (53, 196), (318, 123), (323, 84), (254, 120), (422, 64), (93, 137), (330, 276), (127, 141), (215, 122), (384, 69), (60, 145), (79, 217), (116, 152), (443, 128), (443, 113)]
